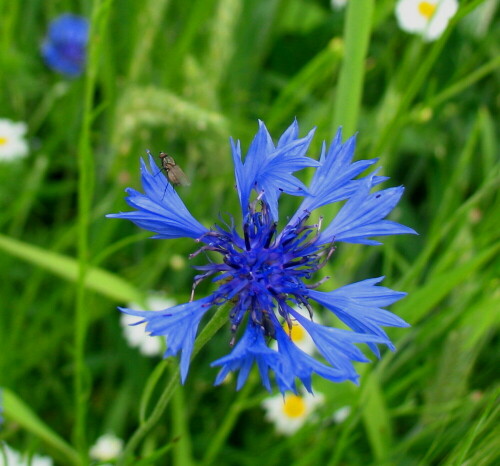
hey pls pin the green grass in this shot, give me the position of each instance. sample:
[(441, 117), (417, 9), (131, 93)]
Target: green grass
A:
[(183, 77)]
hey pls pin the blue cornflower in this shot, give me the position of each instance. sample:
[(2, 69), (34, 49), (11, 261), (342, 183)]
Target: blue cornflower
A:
[(65, 47), (263, 271)]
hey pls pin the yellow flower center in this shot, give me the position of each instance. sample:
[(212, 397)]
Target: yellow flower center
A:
[(3, 140), (426, 9), (294, 406), (297, 333)]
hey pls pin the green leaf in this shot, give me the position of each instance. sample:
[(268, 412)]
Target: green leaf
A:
[(18, 411), (97, 279), (357, 37), (416, 306)]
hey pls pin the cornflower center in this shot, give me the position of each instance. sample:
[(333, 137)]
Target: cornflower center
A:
[(262, 273), (426, 9)]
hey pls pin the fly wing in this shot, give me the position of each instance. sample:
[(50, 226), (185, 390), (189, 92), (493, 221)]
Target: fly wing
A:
[(177, 176)]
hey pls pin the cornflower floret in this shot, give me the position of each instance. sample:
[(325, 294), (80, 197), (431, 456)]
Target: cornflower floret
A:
[(264, 272)]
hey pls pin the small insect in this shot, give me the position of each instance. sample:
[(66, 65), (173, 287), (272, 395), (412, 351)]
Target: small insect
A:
[(268, 325), (174, 173)]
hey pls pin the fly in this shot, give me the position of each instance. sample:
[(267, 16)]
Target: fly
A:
[(268, 325), (174, 173)]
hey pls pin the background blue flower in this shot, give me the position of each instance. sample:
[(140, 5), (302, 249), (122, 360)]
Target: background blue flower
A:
[(65, 47), (263, 273)]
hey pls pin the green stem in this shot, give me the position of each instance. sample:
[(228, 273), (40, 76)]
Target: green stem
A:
[(149, 21), (217, 321), (182, 455), (85, 191), (312, 76), (432, 244), (349, 91), (230, 419), (417, 81), (465, 83)]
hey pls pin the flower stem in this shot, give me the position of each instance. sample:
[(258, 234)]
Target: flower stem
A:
[(237, 406), (215, 323), (86, 184)]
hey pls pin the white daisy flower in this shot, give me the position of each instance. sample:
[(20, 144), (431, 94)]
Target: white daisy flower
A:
[(291, 412), (427, 18), (14, 458), (135, 334), (338, 4), (106, 448), (12, 142), (341, 414), (299, 335)]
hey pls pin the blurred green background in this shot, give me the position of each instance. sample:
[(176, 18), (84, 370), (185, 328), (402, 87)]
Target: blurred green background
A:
[(183, 76)]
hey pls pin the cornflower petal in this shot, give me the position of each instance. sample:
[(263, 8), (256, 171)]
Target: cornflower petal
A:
[(362, 216), (337, 345), (359, 305), (333, 180), (268, 169), (178, 324), (160, 209), (251, 348), (298, 364), (289, 135), (247, 172)]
